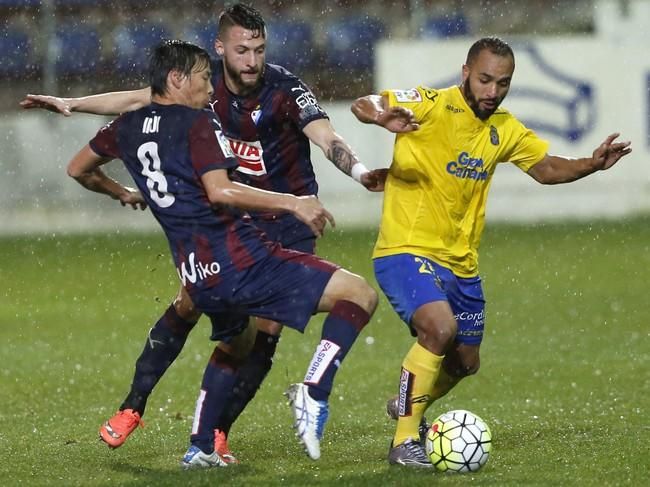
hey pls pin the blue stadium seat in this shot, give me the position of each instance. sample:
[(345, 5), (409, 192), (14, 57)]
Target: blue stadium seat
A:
[(290, 44), (20, 3), (15, 52), (78, 50), (133, 43), (445, 26), (350, 43), (201, 34)]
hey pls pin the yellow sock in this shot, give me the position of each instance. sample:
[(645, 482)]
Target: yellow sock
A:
[(444, 384), (420, 371)]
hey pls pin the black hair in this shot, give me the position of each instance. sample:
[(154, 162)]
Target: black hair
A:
[(244, 16), (494, 44), (172, 55)]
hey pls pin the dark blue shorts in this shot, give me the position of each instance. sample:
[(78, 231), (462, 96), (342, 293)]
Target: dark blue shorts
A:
[(292, 234), (409, 281), (286, 230)]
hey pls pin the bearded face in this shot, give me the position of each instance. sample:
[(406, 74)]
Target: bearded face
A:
[(486, 82), (244, 53)]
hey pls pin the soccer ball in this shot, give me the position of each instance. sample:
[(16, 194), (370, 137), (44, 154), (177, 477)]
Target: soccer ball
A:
[(458, 441)]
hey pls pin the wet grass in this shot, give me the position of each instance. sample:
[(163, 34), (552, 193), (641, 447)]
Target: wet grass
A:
[(564, 384)]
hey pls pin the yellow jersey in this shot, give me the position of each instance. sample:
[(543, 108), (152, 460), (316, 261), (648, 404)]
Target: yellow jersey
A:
[(438, 182)]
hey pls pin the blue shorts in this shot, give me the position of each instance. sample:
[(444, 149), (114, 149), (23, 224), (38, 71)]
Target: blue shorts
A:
[(285, 287), (292, 234), (286, 230), (409, 281)]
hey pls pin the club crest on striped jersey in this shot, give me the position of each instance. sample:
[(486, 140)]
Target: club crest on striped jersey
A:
[(256, 114)]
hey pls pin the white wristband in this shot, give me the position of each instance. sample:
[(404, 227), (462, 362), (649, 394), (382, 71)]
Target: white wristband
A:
[(357, 171)]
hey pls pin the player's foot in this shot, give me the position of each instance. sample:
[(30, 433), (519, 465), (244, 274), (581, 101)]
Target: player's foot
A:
[(311, 416), (116, 430), (222, 449), (196, 458), (409, 454), (392, 410)]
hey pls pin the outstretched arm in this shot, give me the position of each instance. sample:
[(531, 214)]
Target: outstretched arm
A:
[(222, 191), (85, 168), (337, 150), (376, 109), (103, 104), (559, 169)]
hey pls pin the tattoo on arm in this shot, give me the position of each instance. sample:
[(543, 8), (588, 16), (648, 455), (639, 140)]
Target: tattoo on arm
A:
[(342, 156)]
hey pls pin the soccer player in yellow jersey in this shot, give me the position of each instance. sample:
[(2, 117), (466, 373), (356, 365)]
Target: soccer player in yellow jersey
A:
[(447, 146)]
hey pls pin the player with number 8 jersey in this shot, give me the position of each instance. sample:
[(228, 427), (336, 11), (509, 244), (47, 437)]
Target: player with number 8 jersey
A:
[(164, 163), (181, 163)]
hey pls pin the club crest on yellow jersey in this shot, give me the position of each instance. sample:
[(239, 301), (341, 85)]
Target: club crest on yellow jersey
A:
[(494, 135)]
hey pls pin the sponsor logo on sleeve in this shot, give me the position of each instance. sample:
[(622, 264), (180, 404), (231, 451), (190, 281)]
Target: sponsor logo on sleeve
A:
[(307, 103), (224, 144), (408, 96)]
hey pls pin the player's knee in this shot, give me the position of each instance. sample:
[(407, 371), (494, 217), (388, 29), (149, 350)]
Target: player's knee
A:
[(365, 296), (241, 345), (185, 308), (435, 335), (371, 298), (272, 328), (351, 287)]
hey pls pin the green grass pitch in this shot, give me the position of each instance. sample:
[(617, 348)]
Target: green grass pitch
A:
[(564, 382)]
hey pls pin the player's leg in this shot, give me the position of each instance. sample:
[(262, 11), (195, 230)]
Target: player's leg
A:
[(415, 289), (255, 366), (466, 299), (350, 302), (219, 378), (292, 234), (165, 341), (435, 326)]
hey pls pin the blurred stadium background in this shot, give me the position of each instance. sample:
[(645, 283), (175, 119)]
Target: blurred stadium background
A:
[(582, 72)]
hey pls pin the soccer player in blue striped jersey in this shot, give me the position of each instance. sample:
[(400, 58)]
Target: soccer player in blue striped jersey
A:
[(448, 144), (182, 165), (269, 117)]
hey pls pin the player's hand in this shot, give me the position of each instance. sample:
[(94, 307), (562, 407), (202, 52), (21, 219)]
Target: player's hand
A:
[(133, 198), (310, 210), (397, 120), (46, 102), (608, 153), (374, 180)]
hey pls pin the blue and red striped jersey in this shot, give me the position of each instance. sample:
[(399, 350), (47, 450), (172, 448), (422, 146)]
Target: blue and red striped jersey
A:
[(265, 130), (166, 149)]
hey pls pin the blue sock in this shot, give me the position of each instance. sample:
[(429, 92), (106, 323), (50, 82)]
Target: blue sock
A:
[(250, 376), (218, 381), (340, 330), (164, 343)]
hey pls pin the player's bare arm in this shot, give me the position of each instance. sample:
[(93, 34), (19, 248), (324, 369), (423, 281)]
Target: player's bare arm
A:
[(85, 169), (559, 169), (222, 191), (112, 103), (337, 150), (375, 109)]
